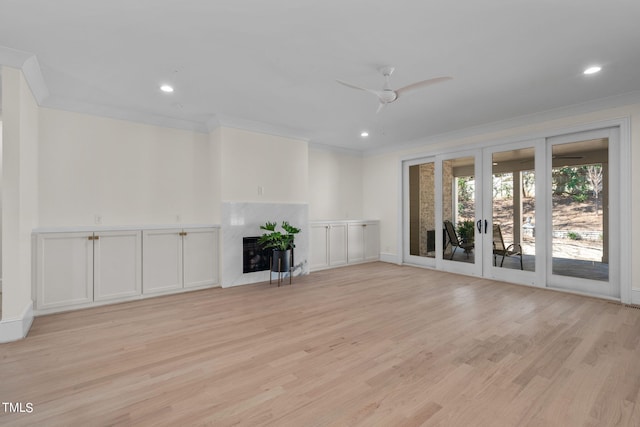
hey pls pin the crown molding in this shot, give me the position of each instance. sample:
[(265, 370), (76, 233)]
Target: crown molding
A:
[(28, 63), (334, 149), (13, 58), (33, 76), (223, 120), (122, 114), (628, 98)]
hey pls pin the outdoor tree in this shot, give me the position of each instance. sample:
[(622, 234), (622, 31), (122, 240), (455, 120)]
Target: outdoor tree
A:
[(572, 181), (594, 177), (528, 183), (466, 189)]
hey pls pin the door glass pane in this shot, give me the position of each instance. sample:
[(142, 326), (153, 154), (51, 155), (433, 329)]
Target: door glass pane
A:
[(458, 209), (514, 215), (422, 240), (580, 209)]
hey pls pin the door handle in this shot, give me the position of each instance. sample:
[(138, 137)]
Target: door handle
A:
[(479, 225), (486, 225)]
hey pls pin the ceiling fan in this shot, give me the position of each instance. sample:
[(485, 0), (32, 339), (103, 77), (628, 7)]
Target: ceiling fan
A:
[(388, 95)]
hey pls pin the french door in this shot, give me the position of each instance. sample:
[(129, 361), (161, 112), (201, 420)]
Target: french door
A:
[(514, 176), (535, 212), (442, 209), (583, 244)]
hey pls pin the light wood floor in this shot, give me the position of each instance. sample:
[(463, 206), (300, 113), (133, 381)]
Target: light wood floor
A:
[(374, 344)]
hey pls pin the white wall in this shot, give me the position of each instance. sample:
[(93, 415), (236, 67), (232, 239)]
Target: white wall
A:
[(382, 172), (127, 173), (215, 166), (335, 185), (20, 204), (276, 164), (0, 203)]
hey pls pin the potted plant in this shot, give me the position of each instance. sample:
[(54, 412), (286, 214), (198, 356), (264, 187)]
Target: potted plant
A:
[(466, 231), (280, 242)]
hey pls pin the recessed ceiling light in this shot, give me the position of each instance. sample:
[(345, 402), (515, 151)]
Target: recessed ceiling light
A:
[(166, 88), (592, 70), (364, 134)]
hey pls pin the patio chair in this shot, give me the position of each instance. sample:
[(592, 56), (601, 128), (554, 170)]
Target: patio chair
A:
[(499, 249), (452, 239)]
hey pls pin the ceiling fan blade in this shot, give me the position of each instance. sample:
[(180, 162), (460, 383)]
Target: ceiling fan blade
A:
[(421, 84), (380, 107), (375, 92)]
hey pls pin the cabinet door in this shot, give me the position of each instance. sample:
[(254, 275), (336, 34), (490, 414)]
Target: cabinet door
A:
[(117, 263), (200, 257), (355, 242), (337, 244), (161, 260), (64, 269), (319, 247), (371, 241)]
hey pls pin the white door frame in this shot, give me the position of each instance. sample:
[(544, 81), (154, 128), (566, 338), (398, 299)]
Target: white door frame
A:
[(407, 258), (475, 268), (580, 285), (532, 278), (623, 124)]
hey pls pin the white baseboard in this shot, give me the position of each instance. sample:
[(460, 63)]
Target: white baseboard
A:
[(390, 258), (635, 296), (18, 328)]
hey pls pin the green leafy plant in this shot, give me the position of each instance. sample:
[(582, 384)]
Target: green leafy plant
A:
[(466, 230), (280, 241), (574, 236)]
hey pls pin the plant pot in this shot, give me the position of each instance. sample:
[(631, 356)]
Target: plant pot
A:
[(281, 261)]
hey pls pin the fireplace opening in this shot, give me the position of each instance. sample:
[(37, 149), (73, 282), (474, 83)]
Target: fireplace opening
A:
[(254, 257)]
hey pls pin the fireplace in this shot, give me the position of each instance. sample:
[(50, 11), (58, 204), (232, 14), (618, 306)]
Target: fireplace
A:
[(254, 257), (243, 219)]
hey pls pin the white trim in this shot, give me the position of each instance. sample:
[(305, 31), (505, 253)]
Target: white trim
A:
[(635, 296), (13, 57), (33, 76), (622, 123), (61, 103), (335, 149), (610, 102), (220, 120), (342, 221), (18, 328), (390, 258), (626, 286), (28, 63), (82, 229)]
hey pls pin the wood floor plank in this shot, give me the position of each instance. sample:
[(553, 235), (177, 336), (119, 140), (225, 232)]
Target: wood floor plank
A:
[(373, 344)]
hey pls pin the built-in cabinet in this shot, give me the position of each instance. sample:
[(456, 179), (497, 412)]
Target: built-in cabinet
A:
[(336, 243), (176, 259), (64, 272), (117, 258), (328, 245), (85, 268), (363, 242)]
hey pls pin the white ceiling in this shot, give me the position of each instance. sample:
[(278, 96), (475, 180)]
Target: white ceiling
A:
[(274, 63)]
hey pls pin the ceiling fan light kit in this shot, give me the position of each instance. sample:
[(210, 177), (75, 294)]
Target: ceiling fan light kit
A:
[(387, 95)]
